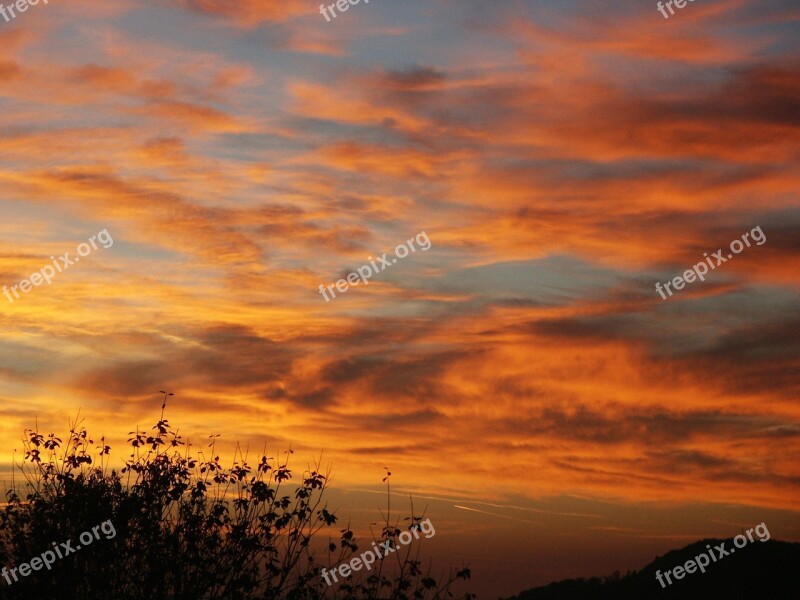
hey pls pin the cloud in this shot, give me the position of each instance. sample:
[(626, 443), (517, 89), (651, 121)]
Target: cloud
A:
[(249, 13), (561, 161)]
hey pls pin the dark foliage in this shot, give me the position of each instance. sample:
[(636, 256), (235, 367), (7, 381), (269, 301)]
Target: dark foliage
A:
[(187, 528)]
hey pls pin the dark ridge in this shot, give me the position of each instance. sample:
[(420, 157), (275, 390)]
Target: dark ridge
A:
[(761, 570)]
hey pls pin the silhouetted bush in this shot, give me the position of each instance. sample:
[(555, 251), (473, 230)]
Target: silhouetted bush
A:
[(186, 528)]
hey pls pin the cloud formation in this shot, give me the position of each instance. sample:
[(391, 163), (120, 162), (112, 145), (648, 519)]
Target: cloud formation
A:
[(562, 161)]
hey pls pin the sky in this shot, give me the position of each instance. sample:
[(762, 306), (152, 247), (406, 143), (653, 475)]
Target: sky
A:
[(518, 371)]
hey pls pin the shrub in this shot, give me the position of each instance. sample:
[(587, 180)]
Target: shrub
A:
[(185, 528)]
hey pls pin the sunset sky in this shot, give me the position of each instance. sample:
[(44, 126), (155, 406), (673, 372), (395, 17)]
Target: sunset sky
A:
[(522, 377)]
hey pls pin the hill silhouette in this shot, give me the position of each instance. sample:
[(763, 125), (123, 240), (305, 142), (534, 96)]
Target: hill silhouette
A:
[(765, 570)]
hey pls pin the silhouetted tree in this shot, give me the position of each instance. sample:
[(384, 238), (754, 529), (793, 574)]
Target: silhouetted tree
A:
[(185, 527)]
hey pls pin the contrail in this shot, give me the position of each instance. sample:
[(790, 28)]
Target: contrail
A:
[(496, 515)]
